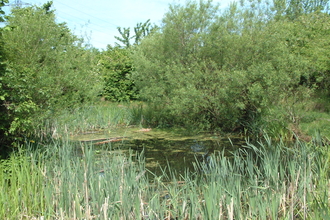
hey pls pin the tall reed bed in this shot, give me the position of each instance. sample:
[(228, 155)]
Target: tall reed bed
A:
[(260, 181), (90, 118)]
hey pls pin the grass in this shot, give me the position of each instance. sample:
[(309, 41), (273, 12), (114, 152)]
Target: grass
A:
[(316, 122), (315, 117), (91, 118), (59, 179), (260, 181), (304, 120)]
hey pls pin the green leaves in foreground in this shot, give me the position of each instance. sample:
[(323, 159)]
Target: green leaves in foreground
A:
[(262, 181)]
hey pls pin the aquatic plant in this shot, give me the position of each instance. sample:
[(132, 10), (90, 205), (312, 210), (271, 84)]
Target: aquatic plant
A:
[(67, 180)]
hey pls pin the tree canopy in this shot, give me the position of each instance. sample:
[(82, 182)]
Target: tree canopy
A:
[(228, 69), (47, 69), (243, 67)]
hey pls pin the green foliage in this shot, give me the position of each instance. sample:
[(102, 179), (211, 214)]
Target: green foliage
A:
[(100, 116), (141, 30), (47, 69), (312, 35), (227, 70), (116, 67), (4, 123), (292, 9), (125, 36), (2, 3), (258, 181)]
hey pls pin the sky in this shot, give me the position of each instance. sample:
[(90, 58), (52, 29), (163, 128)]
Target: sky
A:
[(97, 20)]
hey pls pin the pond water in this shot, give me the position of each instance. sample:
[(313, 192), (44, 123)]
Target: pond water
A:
[(162, 147)]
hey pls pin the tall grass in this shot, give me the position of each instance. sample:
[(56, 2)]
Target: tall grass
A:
[(91, 118), (101, 116), (259, 181)]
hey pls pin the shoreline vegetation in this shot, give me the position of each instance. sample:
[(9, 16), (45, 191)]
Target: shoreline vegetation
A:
[(111, 115), (257, 69), (253, 68), (267, 180)]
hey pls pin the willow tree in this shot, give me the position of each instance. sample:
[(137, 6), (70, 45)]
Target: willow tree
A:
[(226, 69)]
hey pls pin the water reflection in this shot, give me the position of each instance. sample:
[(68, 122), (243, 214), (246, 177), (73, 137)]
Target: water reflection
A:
[(175, 149), (198, 147), (178, 155)]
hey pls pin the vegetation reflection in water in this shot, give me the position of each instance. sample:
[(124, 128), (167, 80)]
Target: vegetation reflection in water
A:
[(161, 148)]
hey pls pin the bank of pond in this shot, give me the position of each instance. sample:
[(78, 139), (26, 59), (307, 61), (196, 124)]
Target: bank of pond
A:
[(153, 174)]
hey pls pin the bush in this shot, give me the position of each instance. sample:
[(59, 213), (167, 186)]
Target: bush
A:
[(227, 70), (116, 67), (47, 69)]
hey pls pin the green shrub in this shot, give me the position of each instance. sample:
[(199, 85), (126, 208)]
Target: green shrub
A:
[(116, 67), (47, 69), (228, 70)]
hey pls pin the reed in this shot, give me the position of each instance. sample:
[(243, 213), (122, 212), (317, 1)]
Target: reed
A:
[(90, 118), (66, 180)]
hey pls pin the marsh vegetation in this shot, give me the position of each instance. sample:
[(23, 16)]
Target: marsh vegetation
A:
[(257, 71), (258, 181)]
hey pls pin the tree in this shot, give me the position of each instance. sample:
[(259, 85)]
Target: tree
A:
[(4, 123), (170, 67), (292, 9), (116, 67), (141, 30), (125, 37), (2, 3), (228, 70), (47, 69), (116, 64)]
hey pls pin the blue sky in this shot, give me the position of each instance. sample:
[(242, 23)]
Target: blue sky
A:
[(97, 21)]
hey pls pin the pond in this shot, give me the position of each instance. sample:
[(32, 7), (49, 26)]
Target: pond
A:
[(161, 147)]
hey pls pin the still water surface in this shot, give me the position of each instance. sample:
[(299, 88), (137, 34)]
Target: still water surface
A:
[(176, 147)]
